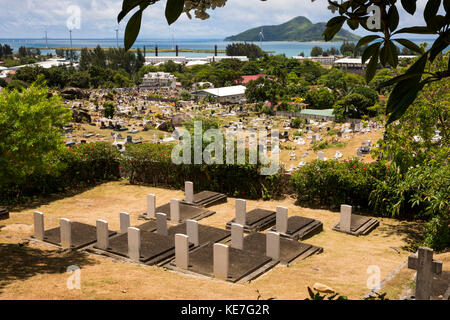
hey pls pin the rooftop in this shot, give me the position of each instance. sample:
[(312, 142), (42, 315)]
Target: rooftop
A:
[(226, 91)]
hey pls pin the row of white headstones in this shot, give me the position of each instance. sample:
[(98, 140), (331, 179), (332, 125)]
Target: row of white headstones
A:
[(182, 241)]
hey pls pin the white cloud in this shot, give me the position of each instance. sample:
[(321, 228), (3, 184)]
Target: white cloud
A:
[(30, 18)]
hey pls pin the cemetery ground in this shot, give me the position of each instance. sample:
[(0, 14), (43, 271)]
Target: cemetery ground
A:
[(32, 270)]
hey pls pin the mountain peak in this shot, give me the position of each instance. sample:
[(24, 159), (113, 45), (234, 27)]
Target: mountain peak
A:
[(297, 29)]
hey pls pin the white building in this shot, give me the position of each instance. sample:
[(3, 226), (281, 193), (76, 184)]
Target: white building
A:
[(159, 80), (329, 60), (234, 94)]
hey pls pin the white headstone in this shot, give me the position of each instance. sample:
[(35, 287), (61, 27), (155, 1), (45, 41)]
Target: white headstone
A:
[(175, 210), (241, 210), (321, 156), (161, 224), (221, 261), (151, 205), (189, 191), (182, 251), (192, 231), (273, 245), (124, 222), (237, 236), (134, 244), (102, 234), (346, 218), (66, 233), (282, 220), (38, 225)]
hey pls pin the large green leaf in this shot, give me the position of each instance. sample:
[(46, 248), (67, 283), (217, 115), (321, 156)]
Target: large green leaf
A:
[(132, 29), (367, 39), (129, 5), (410, 45), (333, 26), (174, 8), (409, 6), (393, 18), (418, 29), (402, 97), (372, 65), (431, 10)]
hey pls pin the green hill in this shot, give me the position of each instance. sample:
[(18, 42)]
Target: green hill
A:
[(297, 29)]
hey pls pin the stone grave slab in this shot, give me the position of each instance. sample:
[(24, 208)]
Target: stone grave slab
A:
[(206, 234), (289, 249), (209, 198), (256, 220), (82, 235), (4, 214), (154, 247), (299, 228), (243, 265), (187, 211), (360, 225), (149, 226)]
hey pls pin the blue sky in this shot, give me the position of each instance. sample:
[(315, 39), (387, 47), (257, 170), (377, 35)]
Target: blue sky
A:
[(30, 18)]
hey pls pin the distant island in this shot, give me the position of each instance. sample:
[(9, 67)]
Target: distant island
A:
[(297, 29)]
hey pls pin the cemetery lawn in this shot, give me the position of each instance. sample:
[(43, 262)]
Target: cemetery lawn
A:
[(37, 271)]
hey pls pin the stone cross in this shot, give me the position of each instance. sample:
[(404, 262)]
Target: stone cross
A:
[(151, 205), (161, 224), (192, 232), (273, 245), (282, 220), (175, 210), (38, 225), (221, 261), (189, 191), (346, 218), (237, 236), (102, 234), (134, 244), (241, 210), (182, 251), (426, 267), (65, 228), (124, 222)]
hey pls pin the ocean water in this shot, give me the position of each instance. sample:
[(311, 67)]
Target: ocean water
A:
[(274, 47)]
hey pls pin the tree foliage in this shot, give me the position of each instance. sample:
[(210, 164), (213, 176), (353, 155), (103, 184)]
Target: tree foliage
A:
[(30, 126)]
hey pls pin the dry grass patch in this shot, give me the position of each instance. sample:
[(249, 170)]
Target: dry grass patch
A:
[(342, 265)]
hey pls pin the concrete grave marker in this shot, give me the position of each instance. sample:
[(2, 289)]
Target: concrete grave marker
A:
[(102, 234), (151, 205), (426, 267), (346, 218), (124, 222), (182, 251), (321, 156), (221, 261), (282, 220), (189, 191), (161, 224), (273, 245), (38, 225), (237, 236), (192, 232), (66, 233), (134, 243), (241, 211), (175, 210)]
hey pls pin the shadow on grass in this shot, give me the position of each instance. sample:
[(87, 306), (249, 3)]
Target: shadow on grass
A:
[(411, 232), (40, 200), (21, 262)]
